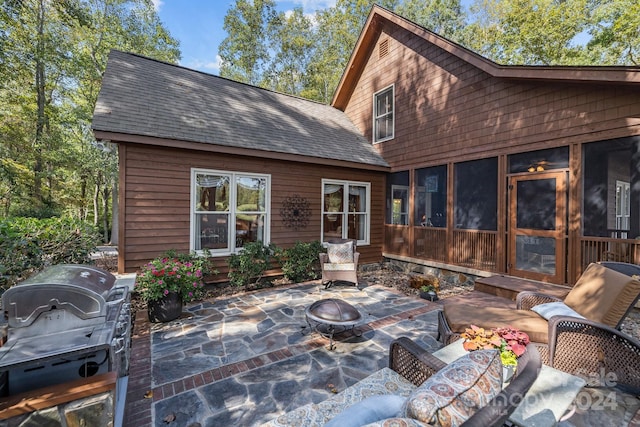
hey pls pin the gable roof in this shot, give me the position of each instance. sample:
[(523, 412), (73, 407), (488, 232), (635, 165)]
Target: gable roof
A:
[(154, 102), (378, 17)]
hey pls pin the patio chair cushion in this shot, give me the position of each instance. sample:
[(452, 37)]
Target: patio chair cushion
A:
[(344, 266), (369, 410), (397, 422), (456, 392), (603, 295), (460, 316), (340, 253), (382, 382), (550, 309)]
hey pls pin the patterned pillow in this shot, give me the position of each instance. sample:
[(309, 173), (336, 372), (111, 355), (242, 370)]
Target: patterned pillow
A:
[(453, 394), (340, 253)]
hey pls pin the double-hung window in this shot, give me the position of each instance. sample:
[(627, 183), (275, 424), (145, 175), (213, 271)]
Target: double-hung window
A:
[(383, 117), (346, 210), (229, 209)]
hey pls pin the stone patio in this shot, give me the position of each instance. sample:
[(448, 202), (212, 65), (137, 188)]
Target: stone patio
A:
[(245, 359)]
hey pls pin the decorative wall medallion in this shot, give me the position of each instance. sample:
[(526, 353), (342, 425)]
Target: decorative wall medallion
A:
[(295, 212)]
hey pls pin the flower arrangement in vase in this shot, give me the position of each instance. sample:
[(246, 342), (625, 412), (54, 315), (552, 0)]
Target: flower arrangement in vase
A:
[(511, 342)]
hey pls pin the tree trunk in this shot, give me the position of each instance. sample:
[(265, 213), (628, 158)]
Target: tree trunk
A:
[(114, 213), (41, 100), (96, 211), (105, 213)]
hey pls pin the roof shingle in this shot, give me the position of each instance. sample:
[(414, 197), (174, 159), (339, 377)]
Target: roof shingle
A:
[(142, 96)]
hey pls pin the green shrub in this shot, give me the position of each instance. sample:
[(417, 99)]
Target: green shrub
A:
[(301, 262), (28, 245), (248, 266)]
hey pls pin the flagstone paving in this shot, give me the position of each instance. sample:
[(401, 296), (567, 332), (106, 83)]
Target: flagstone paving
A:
[(245, 359)]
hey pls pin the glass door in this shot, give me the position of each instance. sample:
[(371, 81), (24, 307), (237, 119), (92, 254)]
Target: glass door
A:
[(537, 226)]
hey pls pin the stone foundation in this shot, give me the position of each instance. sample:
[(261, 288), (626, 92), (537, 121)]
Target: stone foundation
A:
[(443, 276)]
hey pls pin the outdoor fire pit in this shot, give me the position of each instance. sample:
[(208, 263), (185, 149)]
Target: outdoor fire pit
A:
[(330, 316)]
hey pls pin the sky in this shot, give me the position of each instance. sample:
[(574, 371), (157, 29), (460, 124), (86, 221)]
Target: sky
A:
[(197, 24)]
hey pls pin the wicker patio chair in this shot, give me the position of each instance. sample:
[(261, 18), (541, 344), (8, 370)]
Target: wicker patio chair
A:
[(601, 355), (340, 263), (601, 295), (416, 364), (622, 267)]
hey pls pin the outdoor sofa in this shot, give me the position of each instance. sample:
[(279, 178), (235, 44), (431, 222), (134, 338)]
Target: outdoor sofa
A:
[(406, 392), (601, 295)]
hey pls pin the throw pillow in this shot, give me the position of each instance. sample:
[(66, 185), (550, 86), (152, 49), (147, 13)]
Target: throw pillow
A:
[(559, 308), (456, 392), (369, 410), (397, 422), (340, 253)]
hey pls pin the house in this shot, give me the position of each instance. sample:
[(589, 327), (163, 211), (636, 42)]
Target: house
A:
[(429, 153), (207, 162)]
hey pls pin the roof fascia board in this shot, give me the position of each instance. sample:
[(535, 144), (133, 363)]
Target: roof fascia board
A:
[(187, 145)]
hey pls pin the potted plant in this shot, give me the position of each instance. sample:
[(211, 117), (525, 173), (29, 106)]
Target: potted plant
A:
[(428, 292), (169, 281), (510, 341)]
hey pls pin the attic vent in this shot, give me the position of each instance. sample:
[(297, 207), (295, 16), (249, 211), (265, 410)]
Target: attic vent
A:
[(383, 48)]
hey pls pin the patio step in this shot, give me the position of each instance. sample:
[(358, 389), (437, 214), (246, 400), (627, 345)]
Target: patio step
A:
[(509, 287)]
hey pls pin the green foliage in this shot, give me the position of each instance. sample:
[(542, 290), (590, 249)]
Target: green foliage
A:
[(27, 245), (249, 265), (427, 288), (174, 272), (301, 262), (52, 56), (244, 52)]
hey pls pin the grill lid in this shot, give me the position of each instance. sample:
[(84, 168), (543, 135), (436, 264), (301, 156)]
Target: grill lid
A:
[(79, 289), (86, 276)]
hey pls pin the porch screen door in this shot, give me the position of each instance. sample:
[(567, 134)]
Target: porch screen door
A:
[(537, 226)]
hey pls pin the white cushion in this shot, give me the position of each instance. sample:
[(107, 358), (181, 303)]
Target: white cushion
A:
[(372, 409), (347, 266), (558, 308), (340, 252)]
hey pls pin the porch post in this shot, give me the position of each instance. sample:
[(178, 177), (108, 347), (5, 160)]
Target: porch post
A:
[(634, 174)]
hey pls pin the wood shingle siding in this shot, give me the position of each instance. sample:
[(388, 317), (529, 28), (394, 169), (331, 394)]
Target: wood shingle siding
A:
[(449, 109)]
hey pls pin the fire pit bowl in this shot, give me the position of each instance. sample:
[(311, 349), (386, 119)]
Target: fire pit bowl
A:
[(330, 316)]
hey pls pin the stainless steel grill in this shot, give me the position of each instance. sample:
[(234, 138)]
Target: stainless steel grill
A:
[(67, 322)]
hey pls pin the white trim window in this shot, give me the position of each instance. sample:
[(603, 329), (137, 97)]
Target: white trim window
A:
[(228, 209), (383, 117), (346, 210)]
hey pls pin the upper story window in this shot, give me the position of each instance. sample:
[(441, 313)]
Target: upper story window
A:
[(383, 118), (346, 210), (229, 209)]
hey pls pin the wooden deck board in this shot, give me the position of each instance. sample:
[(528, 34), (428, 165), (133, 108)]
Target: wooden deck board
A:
[(509, 287), (54, 395)]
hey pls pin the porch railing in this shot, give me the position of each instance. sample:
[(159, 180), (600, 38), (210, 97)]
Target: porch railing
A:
[(469, 248), (475, 249), (595, 249), (478, 249), (430, 243)]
